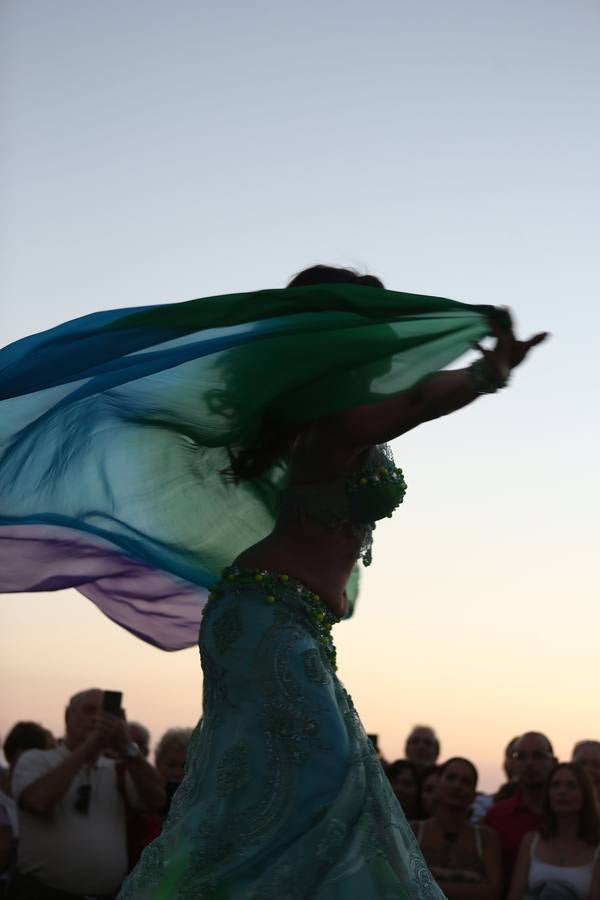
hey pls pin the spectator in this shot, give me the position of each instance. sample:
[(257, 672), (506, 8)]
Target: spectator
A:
[(374, 738), (514, 817), (587, 754), (404, 779), (562, 857), (422, 746), (22, 736), (170, 755), (429, 780), (140, 735), (464, 859), (483, 802), (72, 814)]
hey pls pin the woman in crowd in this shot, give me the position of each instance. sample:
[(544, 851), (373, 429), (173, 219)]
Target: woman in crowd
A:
[(463, 858), (561, 861), (405, 785), (21, 737), (427, 790), (251, 427)]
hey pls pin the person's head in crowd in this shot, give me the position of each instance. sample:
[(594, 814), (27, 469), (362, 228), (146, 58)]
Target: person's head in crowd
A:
[(569, 795), (404, 779), (374, 738), (170, 754), (140, 735), (429, 780), (422, 746), (534, 760), (81, 716), (26, 736), (510, 765), (587, 754), (456, 785)]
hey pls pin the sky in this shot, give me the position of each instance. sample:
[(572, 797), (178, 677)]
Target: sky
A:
[(158, 151)]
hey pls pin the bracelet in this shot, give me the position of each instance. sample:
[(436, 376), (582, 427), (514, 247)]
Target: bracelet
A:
[(483, 377)]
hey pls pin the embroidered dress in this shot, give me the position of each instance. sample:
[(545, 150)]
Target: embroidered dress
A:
[(283, 797)]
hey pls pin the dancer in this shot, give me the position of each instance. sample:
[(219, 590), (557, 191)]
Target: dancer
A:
[(271, 435)]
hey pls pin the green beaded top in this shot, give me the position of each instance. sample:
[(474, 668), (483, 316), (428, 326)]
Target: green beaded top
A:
[(358, 500), (274, 586)]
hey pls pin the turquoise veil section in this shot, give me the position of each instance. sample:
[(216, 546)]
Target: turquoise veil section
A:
[(115, 429)]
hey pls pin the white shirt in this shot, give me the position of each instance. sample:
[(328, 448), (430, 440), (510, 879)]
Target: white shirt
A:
[(577, 878), (71, 851)]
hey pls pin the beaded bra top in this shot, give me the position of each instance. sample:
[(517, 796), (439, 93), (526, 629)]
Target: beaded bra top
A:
[(357, 500)]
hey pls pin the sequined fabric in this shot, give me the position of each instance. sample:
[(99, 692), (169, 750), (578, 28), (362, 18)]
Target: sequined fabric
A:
[(283, 798), (357, 501)]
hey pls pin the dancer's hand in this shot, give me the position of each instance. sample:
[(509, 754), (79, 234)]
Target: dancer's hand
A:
[(509, 352)]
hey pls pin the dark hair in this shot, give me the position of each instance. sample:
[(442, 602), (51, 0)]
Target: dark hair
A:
[(274, 441), (460, 759), (589, 821), (25, 736), (400, 765), (333, 275), (511, 746)]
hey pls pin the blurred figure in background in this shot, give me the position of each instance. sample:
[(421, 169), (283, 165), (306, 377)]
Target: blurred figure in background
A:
[(422, 746), (374, 738), (169, 757), (22, 736), (587, 754), (464, 859), (512, 818), (140, 735), (404, 779), (561, 859), (429, 780), (483, 802)]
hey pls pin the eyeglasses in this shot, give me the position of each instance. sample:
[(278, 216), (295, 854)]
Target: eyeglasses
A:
[(537, 755), (82, 799)]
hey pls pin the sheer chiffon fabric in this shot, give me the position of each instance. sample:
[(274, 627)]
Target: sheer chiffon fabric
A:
[(115, 429)]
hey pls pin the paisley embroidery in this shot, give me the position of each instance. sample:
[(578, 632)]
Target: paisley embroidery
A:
[(227, 629), (313, 666), (283, 797), (232, 771)]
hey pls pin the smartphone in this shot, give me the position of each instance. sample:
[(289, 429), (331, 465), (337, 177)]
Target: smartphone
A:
[(112, 701)]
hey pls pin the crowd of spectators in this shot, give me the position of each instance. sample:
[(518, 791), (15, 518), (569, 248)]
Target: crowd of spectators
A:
[(536, 838), (75, 813)]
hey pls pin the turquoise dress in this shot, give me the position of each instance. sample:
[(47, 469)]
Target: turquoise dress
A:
[(284, 797)]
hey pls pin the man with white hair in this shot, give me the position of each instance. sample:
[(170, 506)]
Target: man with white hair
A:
[(422, 746), (72, 806)]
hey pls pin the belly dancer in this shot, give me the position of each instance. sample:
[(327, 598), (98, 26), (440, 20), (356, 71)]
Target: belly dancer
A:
[(283, 797)]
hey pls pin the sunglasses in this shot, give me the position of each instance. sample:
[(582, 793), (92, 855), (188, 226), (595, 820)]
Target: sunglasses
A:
[(82, 799)]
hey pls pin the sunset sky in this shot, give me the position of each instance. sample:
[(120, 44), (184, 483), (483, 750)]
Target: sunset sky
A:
[(162, 151)]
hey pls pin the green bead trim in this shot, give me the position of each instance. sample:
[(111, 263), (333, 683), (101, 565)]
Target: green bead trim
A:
[(271, 583)]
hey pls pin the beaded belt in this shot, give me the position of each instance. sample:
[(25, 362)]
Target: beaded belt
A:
[(272, 583)]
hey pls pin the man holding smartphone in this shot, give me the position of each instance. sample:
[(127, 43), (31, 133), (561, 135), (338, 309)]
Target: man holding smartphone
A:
[(72, 810)]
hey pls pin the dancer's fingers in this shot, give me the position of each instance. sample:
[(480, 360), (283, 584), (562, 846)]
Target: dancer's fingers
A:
[(537, 339)]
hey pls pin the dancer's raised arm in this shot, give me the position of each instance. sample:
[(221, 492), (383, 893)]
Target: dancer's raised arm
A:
[(439, 395)]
